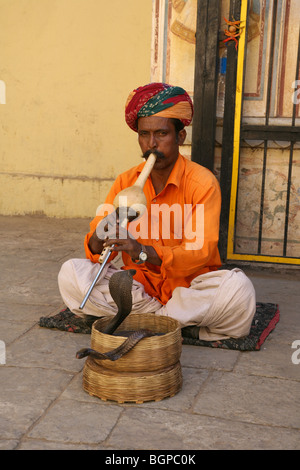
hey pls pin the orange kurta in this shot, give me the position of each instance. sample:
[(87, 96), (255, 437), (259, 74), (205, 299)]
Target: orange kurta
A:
[(167, 227)]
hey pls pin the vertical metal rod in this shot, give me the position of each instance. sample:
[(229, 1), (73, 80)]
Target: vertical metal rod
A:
[(268, 104), (262, 197), (96, 278), (287, 206), (271, 60), (289, 182), (230, 147)]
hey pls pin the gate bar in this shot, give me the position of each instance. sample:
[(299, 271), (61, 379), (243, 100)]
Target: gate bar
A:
[(235, 162), (287, 208)]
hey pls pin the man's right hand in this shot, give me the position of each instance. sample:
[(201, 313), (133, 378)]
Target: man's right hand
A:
[(107, 228)]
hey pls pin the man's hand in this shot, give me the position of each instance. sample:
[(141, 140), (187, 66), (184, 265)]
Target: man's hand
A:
[(125, 242), (107, 227), (109, 233)]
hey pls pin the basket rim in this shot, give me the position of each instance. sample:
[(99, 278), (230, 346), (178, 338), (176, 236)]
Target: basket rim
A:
[(146, 315)]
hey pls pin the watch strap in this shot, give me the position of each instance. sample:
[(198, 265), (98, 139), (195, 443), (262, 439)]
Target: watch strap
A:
[(139, 261)]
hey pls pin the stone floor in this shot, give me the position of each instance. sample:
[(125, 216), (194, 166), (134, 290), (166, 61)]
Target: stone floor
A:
[(229, 400)]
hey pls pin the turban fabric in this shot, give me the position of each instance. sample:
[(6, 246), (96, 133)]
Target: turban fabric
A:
[(159, 99)]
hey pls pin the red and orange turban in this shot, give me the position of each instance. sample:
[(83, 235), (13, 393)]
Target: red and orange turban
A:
[(159, 99)]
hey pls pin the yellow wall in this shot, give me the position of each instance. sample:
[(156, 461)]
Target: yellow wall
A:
[(68, 66)]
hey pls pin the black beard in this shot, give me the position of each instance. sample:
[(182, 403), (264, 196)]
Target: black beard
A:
[(156, 152)]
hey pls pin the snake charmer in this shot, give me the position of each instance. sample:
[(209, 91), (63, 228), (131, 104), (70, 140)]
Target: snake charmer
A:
[(173, 246)]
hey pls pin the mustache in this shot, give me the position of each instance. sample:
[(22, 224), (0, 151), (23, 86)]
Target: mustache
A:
[(156, 152)]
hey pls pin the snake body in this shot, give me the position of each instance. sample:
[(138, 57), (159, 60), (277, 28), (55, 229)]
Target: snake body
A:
[(120, 287), (118, 352)]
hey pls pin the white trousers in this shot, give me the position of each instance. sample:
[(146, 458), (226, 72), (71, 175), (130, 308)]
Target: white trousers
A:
[(222, 303)]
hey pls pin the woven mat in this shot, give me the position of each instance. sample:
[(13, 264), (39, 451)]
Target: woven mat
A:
[(264, 321), (66, 321)]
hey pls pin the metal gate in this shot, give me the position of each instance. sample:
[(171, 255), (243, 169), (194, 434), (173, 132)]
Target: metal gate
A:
[(264, 209)]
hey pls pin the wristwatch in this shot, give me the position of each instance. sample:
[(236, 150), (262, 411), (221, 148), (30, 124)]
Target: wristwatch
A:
[(142, 256)]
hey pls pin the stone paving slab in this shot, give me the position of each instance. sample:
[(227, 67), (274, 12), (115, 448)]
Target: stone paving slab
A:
[(25, 312), (229, 399), (52, 349), (77, 422), (11, 330), (208, 358), (25, 395), (160, 429), (273, 360), (250, 398)]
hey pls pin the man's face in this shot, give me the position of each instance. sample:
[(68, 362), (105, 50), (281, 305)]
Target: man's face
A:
[(158, 134)]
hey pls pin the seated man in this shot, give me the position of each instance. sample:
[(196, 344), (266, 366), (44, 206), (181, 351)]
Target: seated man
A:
[(173, 246)]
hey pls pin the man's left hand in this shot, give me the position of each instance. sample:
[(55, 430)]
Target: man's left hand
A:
[(124, 242)]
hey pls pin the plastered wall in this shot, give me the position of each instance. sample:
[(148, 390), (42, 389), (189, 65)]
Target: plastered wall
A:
[(66, 68)]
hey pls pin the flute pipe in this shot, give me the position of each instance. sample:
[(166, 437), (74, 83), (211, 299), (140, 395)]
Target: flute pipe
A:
[(103, 254), (96, 278), (142, 178), (105, 250), (103, 263), (81, 306)]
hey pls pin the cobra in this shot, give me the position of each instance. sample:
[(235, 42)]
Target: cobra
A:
[(120, 288)]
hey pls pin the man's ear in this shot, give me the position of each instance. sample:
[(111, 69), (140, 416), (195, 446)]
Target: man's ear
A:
[(181, 136)]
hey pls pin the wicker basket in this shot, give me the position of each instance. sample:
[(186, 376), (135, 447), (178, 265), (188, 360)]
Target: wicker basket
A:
[(150, 371)]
